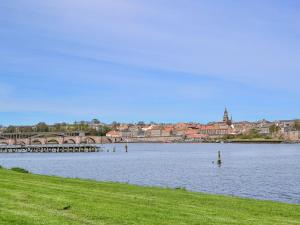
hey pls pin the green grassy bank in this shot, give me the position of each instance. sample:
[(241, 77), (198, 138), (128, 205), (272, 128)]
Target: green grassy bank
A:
[(255, 140), (34, 199)]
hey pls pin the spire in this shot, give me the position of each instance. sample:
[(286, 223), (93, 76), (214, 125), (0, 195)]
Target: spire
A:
[(226, 117)]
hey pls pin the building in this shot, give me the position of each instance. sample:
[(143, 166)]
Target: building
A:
[(243, 127), (179, 132), (214, 130), (167, 131), (154, 131), (286, 125), (264, 130), (125, 133), (292, 136), (113, 134), (263, 127), (137, 132), (193, 133)]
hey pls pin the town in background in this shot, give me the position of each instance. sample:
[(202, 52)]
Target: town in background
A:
[(225, 130)]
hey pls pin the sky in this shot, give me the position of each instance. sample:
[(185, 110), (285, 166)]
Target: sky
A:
[(139, 60)]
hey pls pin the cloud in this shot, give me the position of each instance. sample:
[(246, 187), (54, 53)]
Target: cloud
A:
[(127, 56), (224, 40)]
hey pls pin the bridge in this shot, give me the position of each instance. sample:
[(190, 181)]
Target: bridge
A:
[(59, 138)]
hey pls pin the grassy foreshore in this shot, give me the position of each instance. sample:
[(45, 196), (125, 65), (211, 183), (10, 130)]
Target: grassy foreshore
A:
[(255, 141), (35, 199)]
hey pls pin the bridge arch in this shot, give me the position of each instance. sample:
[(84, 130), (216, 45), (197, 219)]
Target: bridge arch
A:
[(53, 141), (70, 141), (36, 142), (21, 143), (3, 143), (90, 140)]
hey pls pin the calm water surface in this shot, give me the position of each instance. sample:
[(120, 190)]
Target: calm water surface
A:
[(259, 171)]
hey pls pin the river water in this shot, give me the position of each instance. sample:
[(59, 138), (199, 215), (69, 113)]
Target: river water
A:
[(261, 171)]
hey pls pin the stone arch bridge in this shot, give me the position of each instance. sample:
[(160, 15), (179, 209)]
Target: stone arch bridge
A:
[(52, 138)]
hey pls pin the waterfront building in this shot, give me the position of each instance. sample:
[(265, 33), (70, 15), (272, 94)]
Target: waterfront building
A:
[(286, 125), (154, 131), (214, 130), (137, 131), (125, 133), (265, 130), (113, 134), (292, 135), (243, 127), (193, 133), (179, 131), (197, 136), (263, 127), (167, 131)]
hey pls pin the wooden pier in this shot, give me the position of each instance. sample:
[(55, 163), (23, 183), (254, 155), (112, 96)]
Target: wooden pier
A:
[(49, 148)]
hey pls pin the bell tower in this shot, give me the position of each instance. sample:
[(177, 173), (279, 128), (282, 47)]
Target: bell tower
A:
[(226, 117)]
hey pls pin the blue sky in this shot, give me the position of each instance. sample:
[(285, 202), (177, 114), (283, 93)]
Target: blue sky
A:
[(161, 60)]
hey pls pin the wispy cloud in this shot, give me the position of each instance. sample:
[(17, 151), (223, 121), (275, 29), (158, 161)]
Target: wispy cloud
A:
[(123, 58)]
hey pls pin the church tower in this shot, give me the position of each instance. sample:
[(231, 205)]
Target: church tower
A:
[(226, 117)]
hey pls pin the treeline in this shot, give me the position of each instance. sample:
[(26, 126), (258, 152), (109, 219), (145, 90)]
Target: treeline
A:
[(297, 124), (96, 129)]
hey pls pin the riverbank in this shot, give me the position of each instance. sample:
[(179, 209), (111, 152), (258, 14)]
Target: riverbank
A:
[(255, 141), (180, 139), (36, 199)]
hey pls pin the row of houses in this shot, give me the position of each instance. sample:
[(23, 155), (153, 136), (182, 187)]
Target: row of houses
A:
[(280, 126), (186, 130), (285, 129), (150, 131)]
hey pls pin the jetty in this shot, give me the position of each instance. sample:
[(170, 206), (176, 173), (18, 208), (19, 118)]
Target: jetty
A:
[(55, 148)]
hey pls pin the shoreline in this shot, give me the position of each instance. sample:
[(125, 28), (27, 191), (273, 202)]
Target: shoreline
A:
[(212, 142), (174, 139)]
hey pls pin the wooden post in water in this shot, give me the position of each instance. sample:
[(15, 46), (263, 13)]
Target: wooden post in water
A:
[(219, 161), (126, 147)]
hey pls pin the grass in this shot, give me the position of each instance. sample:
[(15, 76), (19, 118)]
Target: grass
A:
[(255, 140), (28, 199)]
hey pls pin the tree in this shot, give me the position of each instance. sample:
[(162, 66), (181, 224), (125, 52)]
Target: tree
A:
[(95, 121), (274, 128), (10, 129), (42, 127), (57, 127), (254, 133), (25, 129), (103, 130), (115, 125), (141, 123), (297, 125)]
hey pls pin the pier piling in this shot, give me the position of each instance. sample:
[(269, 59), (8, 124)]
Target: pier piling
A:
[(219, 161)]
